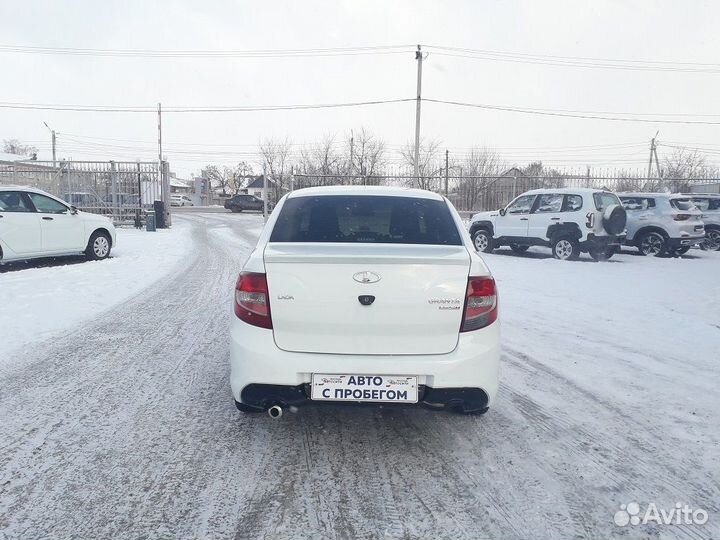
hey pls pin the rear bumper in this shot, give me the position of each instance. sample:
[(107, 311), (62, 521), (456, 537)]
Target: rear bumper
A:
[(685, 241), (602, 242), (264, 396), (261, 373)]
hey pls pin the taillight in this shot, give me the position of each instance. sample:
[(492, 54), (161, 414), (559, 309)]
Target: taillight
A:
[(480, 304), (252, 302), (681, 217)]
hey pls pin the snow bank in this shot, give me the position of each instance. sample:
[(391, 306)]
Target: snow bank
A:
[(39, 302)]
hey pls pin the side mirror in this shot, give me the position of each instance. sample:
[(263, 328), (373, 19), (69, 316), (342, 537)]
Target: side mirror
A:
[(73, 210), (502, 211)]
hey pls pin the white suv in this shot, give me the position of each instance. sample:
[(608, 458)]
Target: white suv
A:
[(709, 205), (568, 220), (35, 224), (661, 223), (364, 294)]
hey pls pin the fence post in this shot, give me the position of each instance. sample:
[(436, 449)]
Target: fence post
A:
[(113, 184), (165, 168)]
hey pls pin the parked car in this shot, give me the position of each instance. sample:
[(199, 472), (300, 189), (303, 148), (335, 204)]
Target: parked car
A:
[(86, 200), (569, 221), (35, 224), (362, 294), (124, 200), (709, 205), (177, 199), (238, 203), (662, 223)]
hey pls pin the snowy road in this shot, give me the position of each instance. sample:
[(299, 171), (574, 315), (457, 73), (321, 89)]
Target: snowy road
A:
[(127, 429)]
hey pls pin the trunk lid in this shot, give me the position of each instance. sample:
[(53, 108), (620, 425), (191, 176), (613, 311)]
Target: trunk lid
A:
[(315, 289)]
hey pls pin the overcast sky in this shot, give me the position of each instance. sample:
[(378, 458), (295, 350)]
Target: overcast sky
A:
[(681, 31)]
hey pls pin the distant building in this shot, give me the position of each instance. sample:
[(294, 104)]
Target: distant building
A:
[(256, 187)]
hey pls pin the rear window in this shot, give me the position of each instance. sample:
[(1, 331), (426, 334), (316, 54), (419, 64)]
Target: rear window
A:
[(366, 219), (604, 199), (682, 204)]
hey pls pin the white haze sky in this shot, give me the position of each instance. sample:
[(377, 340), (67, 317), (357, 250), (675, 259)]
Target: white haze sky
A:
[(680, 31)]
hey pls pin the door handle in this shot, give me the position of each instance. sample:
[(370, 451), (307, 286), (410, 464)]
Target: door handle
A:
[(47, 218), (555, 218), (523, 219)]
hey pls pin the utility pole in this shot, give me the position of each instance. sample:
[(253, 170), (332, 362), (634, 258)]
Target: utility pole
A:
[(160, 163), (52, 131), (447, 169), (657, 162), (419, 58), (265, 191), (653, 152)]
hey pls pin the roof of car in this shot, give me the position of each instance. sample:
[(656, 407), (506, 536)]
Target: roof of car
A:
[(691, 195), (7, 187), (388, 191), (651, 194), (569, 191)]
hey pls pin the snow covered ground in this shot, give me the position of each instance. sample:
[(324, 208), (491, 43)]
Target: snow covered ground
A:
[(52, 298), (608, 396)]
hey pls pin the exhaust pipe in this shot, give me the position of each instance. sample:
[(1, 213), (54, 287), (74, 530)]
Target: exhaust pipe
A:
[(275, 411)]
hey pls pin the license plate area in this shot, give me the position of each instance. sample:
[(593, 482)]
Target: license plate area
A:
[(364, 388)]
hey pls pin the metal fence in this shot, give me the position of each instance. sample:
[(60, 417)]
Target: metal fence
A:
[(120, 190), (479, 193)]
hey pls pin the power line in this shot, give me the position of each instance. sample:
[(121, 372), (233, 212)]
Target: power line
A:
[(589, 115), (186, 109)]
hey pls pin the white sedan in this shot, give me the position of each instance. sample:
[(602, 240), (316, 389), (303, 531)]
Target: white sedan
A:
[(36, 224), (180, 200), (364, 294)]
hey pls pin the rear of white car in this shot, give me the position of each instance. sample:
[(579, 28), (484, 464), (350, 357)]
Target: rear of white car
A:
[(365, 295)]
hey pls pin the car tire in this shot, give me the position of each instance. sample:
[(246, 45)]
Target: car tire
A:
[(565, 248), (246, 408), (99, 246), (712, 240), (483, 241), (517, 248), (652, 244), (234, 210)]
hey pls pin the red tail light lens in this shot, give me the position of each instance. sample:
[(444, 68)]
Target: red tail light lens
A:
[(681, 217), (252, 302), (480, 304)]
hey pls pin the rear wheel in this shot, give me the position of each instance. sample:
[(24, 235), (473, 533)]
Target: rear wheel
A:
[(712, 240), (652, 244), (677, 252), (483, 241), (517, 248), (99, 246), (566, 249)]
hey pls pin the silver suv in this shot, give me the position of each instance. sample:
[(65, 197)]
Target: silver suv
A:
[(567, 220), (662, 223), (709, 205)]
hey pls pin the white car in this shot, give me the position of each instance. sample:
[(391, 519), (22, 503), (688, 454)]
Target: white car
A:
[(567, 220), (364, 294), (181, 200), (662, 223), (709, 205), (36, 224)]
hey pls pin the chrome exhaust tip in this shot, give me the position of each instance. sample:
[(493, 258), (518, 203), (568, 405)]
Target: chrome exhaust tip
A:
[(275, 411)]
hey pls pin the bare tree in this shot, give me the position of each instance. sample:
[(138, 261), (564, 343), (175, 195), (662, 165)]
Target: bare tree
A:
[(238, 176), (481, 168), (321, 163), (13, 146), (218, 177), (364, 155), (428, 163), (276, 156)]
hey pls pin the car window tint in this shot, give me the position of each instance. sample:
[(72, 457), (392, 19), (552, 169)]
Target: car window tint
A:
[(549, 203), (366, 219), (604, 199), (714, 203), (46, 205), (521, 205), (572, 203), (682, 204), (702, 204), (13, 201)]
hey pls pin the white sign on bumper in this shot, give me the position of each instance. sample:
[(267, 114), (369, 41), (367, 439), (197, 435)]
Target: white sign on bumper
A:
[(368, 388)]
